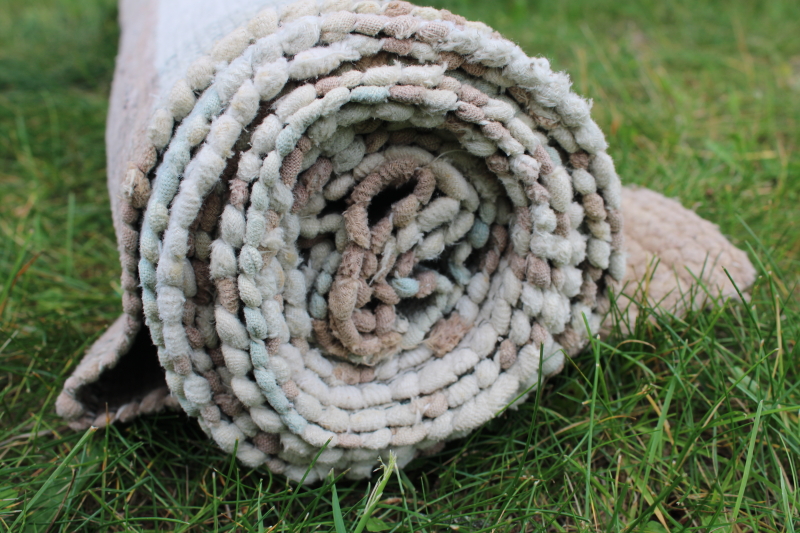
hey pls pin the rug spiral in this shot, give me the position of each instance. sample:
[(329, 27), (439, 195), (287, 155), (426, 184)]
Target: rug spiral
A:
[(368, 226)]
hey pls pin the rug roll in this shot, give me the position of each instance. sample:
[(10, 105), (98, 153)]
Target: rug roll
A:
[(362, 226)]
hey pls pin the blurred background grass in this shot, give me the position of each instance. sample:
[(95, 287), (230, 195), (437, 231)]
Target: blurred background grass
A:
[(689, 425)]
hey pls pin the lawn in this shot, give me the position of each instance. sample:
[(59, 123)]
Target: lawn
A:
[(688, 424)]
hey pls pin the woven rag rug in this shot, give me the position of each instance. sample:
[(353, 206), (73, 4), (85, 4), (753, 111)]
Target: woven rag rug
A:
[(360, 226)]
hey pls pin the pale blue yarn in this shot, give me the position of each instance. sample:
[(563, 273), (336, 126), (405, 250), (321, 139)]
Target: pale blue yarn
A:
[(478, 234), (147, 273), (266, 379), (460, 273), (287, 140), (259, 196), (166, 183), (318, 307), (250, 260), (151, 309), (256, 226), (256, 325), (148, 240), (149, 303), (178, 153), (167, 186), (554, 156), (278, 400), (323, 282), (405, 287), (258, 353), (294, 422), (208, 105), (369, 95)]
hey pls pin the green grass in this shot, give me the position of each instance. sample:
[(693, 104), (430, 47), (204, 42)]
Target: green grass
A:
[(688, 425)]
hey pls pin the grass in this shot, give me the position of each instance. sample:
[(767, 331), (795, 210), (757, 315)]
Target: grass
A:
[(686, 425)]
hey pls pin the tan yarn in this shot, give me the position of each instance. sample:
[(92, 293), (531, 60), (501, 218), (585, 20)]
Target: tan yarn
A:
[(368, 226), (664, 267)]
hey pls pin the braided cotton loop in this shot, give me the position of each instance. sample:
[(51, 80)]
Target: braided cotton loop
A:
[(372, 224)]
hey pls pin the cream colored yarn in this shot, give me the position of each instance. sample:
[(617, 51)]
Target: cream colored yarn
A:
[(368, 226)]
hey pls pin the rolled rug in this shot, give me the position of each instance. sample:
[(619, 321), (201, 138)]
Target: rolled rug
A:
[(360, 226)]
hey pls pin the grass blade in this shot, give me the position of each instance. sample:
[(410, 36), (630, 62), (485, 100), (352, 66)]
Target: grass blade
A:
[(338, 521), (747, 464)]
